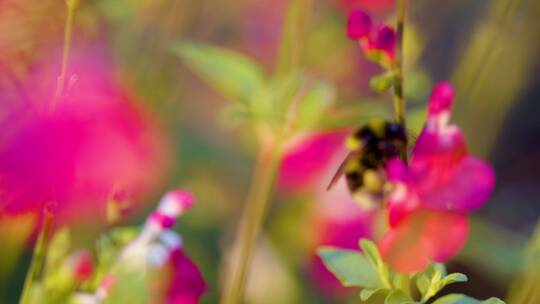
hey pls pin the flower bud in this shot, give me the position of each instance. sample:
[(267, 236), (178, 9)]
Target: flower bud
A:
[(384, 39), (164, 221), (175, 203), (441, 99)]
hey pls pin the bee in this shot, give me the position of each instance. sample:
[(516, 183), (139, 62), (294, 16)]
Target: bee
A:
[(370, 148)]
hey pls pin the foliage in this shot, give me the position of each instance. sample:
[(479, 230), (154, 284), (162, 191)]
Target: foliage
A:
[(379, 284)]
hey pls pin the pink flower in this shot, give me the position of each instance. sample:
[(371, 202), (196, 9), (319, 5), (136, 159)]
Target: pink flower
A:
[(186, 284), (95, 142), (307, 159), (434, 192)]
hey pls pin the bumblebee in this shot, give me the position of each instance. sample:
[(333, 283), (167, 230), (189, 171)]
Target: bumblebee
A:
[(370, 148)]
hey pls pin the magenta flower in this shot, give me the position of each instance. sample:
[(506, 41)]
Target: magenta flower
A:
[(92, 144), (374, 40), (434, 192)]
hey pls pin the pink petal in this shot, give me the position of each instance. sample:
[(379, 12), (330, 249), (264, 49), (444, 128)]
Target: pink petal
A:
[(445, 234), (187, 284), (462, 186), (358, 24), (441, 99), (442, 148), (401, 203), (424, 236), (396, 170), (403, 250)]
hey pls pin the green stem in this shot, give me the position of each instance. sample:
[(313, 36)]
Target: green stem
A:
[(68, 33), (38, 258), (397, 68), (251, 222)]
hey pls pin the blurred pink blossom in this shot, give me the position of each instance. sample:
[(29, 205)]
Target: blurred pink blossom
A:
[(307, 160), (80, 149)]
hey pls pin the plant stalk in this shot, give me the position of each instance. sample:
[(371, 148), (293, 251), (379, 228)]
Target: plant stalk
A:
[(251, 222), (397, 67), (68, 34), (38, 257)]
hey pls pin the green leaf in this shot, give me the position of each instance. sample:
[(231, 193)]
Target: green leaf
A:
[(230, 73), (350, 267), (313, 105), (367, 293), (439, 267), (455, 277), (273, 102), (422, 282), (463, 299), (431, 281), (377, 298), (397, 297), (371, 251), (381, 83)]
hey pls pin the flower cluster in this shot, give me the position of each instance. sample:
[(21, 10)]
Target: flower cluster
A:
[(427, 209), (377, 41), (157, 247)]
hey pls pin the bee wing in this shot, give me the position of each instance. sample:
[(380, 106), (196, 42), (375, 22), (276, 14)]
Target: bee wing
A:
[(413, 137), (340, 171)]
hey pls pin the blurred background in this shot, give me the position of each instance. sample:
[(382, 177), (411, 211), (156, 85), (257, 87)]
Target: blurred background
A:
[(185, 136)]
